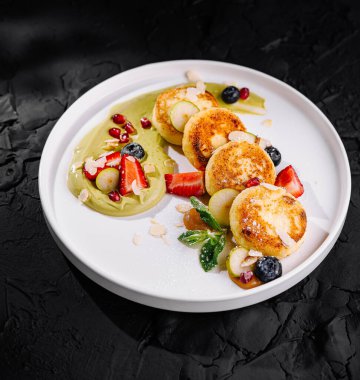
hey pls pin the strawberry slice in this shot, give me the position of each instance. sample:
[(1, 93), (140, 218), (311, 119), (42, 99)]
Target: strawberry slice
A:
[(92, 176), (131, 171), (113, 160), (252, 182), (185, 184), (288, 179)]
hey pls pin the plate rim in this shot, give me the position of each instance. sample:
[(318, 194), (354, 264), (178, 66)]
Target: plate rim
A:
[(261, 293)]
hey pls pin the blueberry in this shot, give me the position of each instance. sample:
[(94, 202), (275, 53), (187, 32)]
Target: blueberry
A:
[(230, 94), (274, 154), (268, 268), (134, 149)]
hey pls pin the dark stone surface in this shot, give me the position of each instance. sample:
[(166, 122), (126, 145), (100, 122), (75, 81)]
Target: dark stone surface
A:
[(57, 324)]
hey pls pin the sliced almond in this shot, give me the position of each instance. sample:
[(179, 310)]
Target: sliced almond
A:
[(76, 166), (130, 158), (192, 94), (270, 186), (264, 143), (286, 239), (192, 76), (183, 207), (110, 141), (135, 188), (249, 260), (106, 153), (157, 230), (200, 85), (267, 123), (90, 166), (137, 238), (149, 168), (84, 195), (254, 253), (153, 221)]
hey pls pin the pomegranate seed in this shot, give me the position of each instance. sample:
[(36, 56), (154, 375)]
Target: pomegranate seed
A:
[(124, 137), (245, 277), (145, 123), (129, 128), (118, 118), (115, 132), (114, 196), (252, 182), (244, 93)]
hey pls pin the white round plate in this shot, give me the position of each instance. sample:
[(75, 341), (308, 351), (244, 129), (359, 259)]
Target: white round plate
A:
[(170, 276)]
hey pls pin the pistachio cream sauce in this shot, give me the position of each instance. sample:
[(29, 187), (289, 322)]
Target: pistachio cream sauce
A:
[(94, 145)]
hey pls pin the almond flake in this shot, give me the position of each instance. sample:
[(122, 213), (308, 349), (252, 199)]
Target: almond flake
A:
[(254, 253), (264, 143), (130, 158), (192, 94), (83, 196), (110, 141), (200, 85), (149, 168), (100, 162), (267, 123), (249, 260), (135, 187), (269, 186), (183, 207), (286, 239), (154, 221), (192, 76), (90, 166), (106, 153), (157, 230), (137, 238)]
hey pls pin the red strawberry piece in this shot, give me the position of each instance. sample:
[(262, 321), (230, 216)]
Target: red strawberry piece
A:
[(252, 182), (131, 171), (124, 138), (185, 184), (92, 177), (113, 160), (118, 118), (145, 123), (288, 179), (129, 128), (115, 132)]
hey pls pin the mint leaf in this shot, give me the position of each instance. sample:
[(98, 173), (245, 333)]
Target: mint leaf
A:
[(193, 237), (210, 251), (205, 214)]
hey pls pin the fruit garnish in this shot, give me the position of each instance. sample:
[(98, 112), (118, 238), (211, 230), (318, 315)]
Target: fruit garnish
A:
[(230, 94), (245, 277), (108, 180), (220, 203), (131, 170), (274, 154), (145, 123), (115, 132), (89, 176), (129, 128), (113, 159), (252, 283), (244, 93), (124, 138), (181, 113), (93, 167), (233, 262), (288, 179), (268, 268), (242, 136), (252, 182), (134, 149), (118, 118), (193, 221), (205, 214), (185, 184), (114, 196)]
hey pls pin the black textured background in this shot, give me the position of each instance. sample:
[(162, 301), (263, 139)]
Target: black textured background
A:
[(57, 324)]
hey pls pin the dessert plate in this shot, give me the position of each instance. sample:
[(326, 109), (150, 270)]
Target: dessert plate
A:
[(169, 276)]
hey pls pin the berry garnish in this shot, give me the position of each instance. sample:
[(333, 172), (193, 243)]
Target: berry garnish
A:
[(115, 132), (252, 182), (134, 149), (118, 118), (288, 179), (230, 94), (124, 138), (185, 184), (244, 93), (113, 160), (114, 196), (145, 123), (92, 176), (131, 171), (274, 154), (268, 268), (245, 277), (129, 128)]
